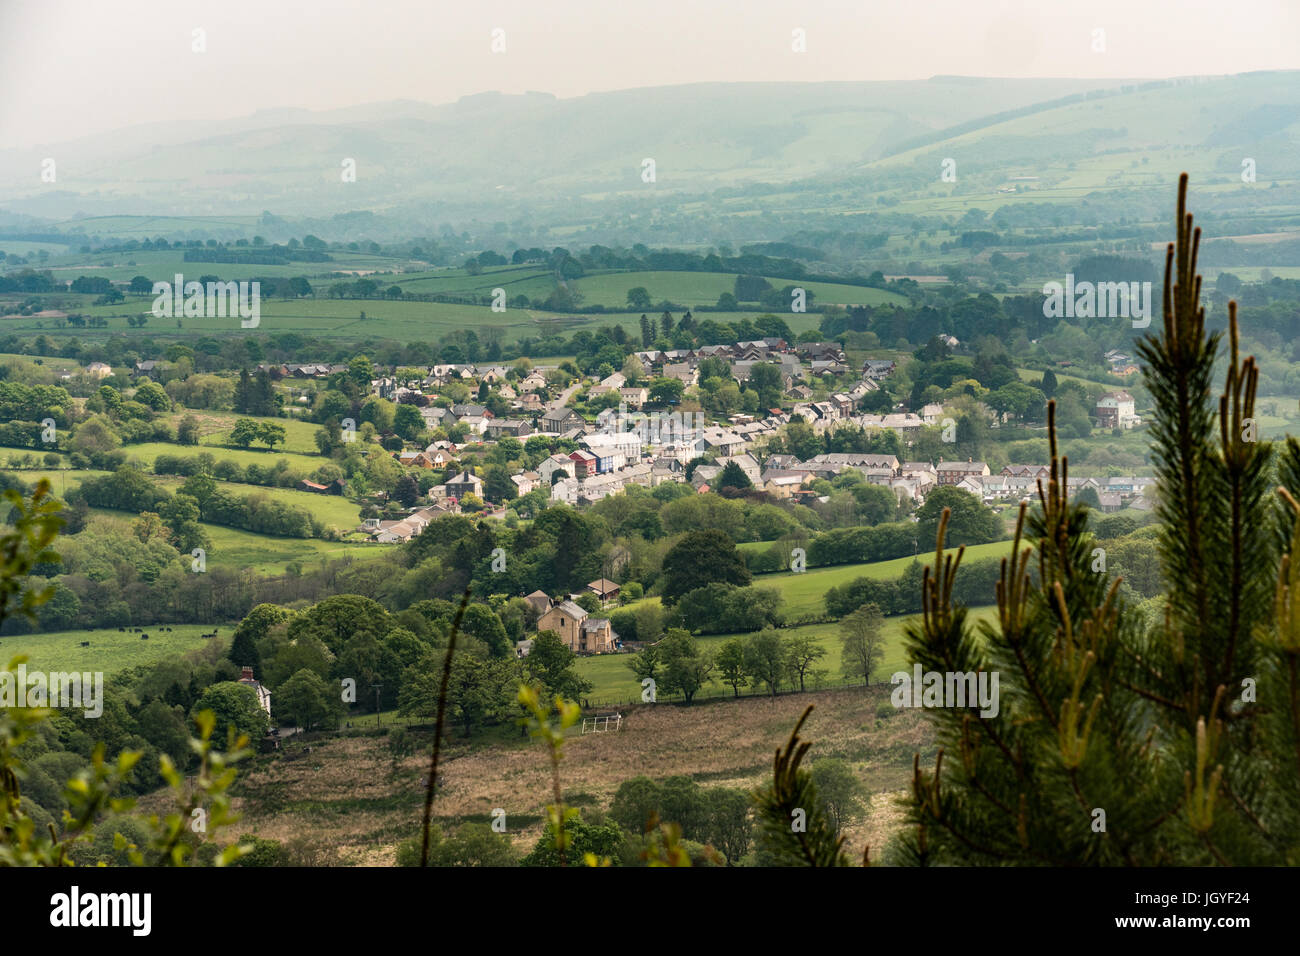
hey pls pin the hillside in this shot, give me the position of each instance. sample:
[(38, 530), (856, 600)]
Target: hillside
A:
[(524, 150), (349, 803)]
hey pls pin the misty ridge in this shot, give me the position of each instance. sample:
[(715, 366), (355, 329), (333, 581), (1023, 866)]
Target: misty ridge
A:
[(813, 150)]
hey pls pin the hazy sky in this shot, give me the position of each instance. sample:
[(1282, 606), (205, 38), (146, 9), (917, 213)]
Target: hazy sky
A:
[(71, 67)]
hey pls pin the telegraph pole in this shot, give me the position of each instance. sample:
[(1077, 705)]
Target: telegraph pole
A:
[(377, 689)]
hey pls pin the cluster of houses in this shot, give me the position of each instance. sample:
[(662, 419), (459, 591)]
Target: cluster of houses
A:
[(796, 362), (1020, 483), (627, 446), (1121, 363)]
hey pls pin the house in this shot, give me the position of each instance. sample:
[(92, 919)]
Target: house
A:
[(746, 463), (263, 695), (615, 380), (828, 367), (952, 472), (466, 481), (98, 370), (525, 482), (621, 448), (863, 461), (440, 457), (721, 441), (783, 484), (704, 476), (820, 351), (1028, 471), (876, 369), (604, 589), (461, 411), (864, 388), (540, 601), (585, 463), (582, 633), (435, 417), (551, 465), (633, 397), (511, 427), (557, 420), (930, 414), (683, 372), (1116, 410), (417, 459)]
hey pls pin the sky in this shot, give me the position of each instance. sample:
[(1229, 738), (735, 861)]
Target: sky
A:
[(77, 67)]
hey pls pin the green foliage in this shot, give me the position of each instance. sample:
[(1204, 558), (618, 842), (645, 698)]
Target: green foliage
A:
[(969, 521), (472, 844), (698, 559), (235, 708), (794, 828), (1122, 738)]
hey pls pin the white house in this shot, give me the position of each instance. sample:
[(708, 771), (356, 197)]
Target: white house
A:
[(263, 695)]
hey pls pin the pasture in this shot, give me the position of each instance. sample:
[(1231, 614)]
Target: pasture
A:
[(109, 650), (614, 683)]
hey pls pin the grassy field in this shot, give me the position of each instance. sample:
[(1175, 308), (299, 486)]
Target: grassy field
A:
[(332, 510), (703, 288), (266, 555), (614, 683), (804, 593), (146, 452), (215, 427), (110, 650)]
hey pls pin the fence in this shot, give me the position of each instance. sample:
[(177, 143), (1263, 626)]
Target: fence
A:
[(600, 724)]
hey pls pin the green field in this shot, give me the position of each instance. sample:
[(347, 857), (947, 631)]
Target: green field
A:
[(214, 427), (804, 593), (147, 452), (263, 554), (110, 650), (331, 510), (614, 683), (703, 288)]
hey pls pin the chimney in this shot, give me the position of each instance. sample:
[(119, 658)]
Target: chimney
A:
[(247, 674)]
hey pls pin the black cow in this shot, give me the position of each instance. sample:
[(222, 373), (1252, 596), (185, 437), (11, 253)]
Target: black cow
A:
[(85, 643)]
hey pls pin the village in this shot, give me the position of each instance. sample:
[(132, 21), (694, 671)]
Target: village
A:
[(638, 437)]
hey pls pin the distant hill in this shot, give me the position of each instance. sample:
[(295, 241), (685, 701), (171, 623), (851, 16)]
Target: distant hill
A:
[(495, 150)]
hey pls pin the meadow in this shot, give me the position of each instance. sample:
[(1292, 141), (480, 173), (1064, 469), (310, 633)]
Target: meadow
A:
[(110, 650), (613, 682), (266, 555)]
